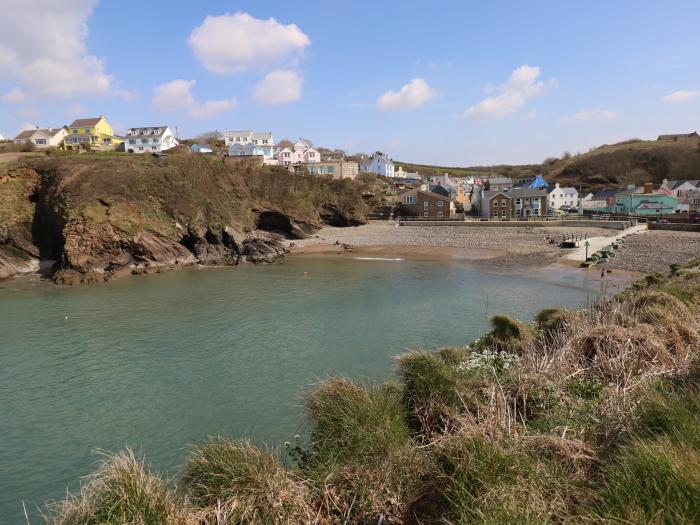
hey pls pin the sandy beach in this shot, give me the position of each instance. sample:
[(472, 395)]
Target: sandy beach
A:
[(497, 248)]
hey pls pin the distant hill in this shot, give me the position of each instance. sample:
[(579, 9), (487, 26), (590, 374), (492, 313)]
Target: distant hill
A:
[(616, 165)]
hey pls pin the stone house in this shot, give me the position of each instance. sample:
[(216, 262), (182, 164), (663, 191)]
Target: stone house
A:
[(514, 203), (417, 202)]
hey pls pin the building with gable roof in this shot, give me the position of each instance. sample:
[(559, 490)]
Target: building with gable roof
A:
[(151, 139), (42, 137), (94, 133)]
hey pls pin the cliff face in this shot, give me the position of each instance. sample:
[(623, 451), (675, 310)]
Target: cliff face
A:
[(101, 216)]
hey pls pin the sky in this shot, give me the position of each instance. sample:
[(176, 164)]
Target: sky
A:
[(454, 83)]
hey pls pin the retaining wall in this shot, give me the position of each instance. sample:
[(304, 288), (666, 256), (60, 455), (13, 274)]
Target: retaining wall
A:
[(608, 225), (676, 227)]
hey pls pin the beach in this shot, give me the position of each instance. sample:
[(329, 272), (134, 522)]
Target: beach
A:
[(498, 248)]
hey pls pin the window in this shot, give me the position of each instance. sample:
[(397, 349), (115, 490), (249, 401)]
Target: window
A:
[(495, 204), (40, 142), (132, 141), (440, 203), (409, 199), (264, 141), (503, 213), (75, 131), (439, 214), (426, 204), (311, 154), (425, 213), (87, 130), (503, 202), (287, 155)]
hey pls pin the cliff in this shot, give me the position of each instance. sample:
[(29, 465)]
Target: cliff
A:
[(99, 215)]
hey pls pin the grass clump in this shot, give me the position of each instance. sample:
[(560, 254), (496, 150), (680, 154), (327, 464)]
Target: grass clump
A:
[(120, 492), (234, 482), (362, 458)]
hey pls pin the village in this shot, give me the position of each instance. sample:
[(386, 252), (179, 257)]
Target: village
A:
[(407, 195)]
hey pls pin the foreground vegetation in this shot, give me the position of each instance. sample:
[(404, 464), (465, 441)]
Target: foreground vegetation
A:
[(577, 417)]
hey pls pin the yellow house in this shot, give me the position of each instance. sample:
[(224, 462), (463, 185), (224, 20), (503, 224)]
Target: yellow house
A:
[(93, 131)]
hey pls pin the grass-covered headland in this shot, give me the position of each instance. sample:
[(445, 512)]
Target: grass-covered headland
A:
[(578, 417)]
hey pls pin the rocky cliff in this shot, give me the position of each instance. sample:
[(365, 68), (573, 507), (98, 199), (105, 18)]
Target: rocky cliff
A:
[(99, 216)]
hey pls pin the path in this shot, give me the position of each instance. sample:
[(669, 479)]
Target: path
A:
[(598, 243)]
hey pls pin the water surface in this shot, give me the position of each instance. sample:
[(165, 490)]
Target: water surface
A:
[(161, 361)]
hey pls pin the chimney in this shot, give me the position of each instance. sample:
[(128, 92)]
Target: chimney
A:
[(648, 187)]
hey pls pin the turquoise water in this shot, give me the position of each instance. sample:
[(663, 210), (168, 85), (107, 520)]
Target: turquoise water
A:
[(161, 361)]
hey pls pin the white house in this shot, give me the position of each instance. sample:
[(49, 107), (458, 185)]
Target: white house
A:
[(152, 139), (559, 197), (379, 164), (42, 138), (248, 137), (401, 174)]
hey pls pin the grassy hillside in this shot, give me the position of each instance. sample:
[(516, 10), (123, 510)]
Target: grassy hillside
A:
[(630, 162), (608, 166), (576, 417)]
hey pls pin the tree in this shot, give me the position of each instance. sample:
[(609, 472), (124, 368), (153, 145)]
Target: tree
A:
[(210, 138), (285, 143)]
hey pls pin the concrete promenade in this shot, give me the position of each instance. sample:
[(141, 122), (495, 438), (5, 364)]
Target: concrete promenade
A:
[(598, 243)]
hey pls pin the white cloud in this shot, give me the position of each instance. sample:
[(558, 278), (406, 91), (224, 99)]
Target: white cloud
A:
[(177, 96), (229, 44), (683, 95), (29, 113), (278, 87), (412, 95), (593, 114), (14, 96), (42, 48), (25, 126), (522, 85)]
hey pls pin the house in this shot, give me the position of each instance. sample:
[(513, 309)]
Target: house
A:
[(379, 164), (498, 183), (678, 187), (304, 152), (93, 133), (42, 138), (336, 169), (559, 197), (680, 136), (151, 139), (201, 148), (248, 137), (407, 175), (514, 203), (645, 200), (417, 202), (536, 182), (252, 150)]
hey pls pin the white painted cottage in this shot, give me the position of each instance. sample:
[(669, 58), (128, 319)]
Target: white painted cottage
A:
[(42, 138), (379, 164), (559, 197), (152, 139)]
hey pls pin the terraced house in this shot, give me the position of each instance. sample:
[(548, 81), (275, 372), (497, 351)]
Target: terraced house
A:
[(150, 139), (91, 133)]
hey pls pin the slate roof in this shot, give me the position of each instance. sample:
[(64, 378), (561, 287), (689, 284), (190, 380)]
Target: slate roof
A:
[(51, 132), (85, 122), (654, 206), (151, 131), (526, 192), (673, 184)]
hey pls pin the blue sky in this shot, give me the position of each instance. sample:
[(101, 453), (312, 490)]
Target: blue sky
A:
[(452, 83)]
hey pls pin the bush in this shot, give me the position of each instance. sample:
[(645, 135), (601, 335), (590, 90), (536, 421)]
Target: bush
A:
[(121, 491), (237, 483)]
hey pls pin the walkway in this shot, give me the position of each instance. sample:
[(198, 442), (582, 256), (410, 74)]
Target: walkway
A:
[(598, 243)]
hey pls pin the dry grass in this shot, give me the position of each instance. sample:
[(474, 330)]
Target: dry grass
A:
[(234, 482), (121, 491)]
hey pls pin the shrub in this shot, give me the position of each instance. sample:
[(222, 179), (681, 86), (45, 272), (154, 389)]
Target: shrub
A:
[(552, 319), (121, 491), (507, 334), (235, 482)]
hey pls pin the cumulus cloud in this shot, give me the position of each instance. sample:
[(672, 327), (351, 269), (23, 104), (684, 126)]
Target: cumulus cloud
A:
[(593, 114), (278, 87), (177, 96), (42, 48), (412, 95), (237, 43), (522, 85), (683, 95)]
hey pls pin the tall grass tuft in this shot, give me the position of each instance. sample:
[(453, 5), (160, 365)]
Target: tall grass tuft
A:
[(121, 491), (234, 482), (363, 461)]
